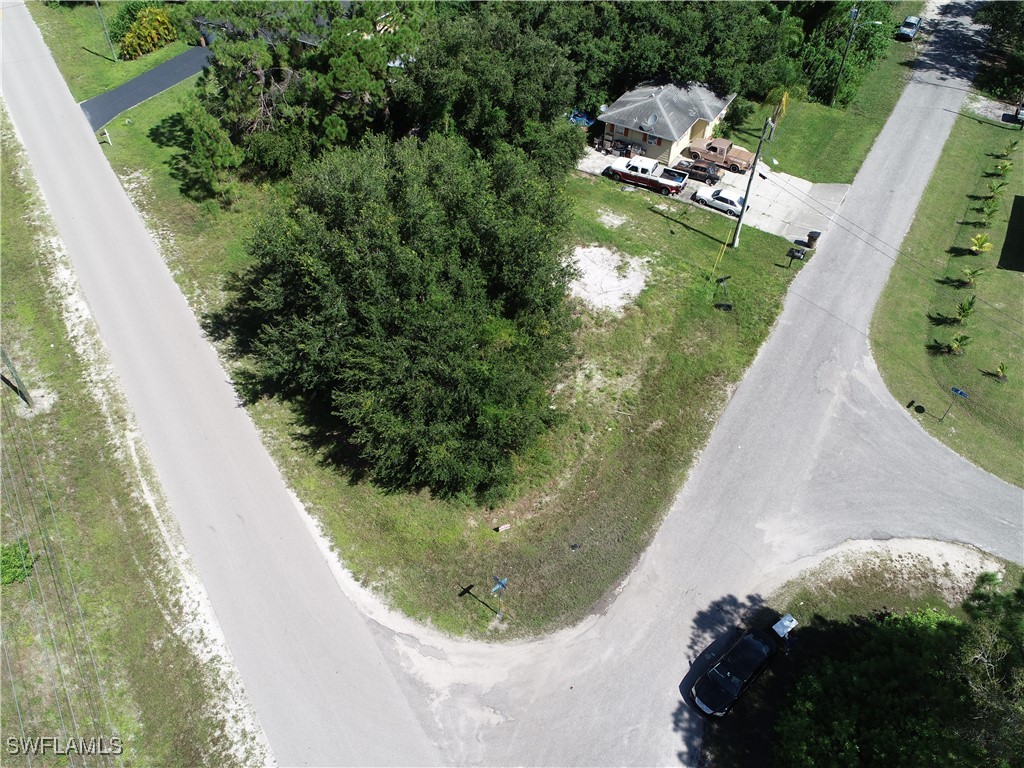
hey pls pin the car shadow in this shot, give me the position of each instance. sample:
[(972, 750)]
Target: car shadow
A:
[(715, 628)]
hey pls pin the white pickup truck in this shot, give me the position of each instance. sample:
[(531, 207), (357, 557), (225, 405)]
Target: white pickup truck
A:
[(648, 173)]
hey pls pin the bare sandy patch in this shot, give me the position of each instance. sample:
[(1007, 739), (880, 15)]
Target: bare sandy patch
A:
[(948, 567), (611, 219), (608, 280)]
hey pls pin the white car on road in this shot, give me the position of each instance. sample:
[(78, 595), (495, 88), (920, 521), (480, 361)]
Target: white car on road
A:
[(726, 200)]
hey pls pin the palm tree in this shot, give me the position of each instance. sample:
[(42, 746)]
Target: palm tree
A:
[(981, 243), (965, 309), (956, 345), (996, 187), (970, 275), (1010, 148), (1001, 373), (1003, 168)]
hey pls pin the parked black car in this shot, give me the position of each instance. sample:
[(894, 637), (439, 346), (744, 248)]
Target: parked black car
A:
[(908, 29), (718, 689), (700, 170)]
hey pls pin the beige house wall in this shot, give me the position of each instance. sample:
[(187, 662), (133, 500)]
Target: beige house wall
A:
[(670, 152), (666, 154)]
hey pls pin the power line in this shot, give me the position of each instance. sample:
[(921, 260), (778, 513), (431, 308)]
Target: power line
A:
[(14, 693), (850, 226), (44, 613), (74, 591), (62, 598)]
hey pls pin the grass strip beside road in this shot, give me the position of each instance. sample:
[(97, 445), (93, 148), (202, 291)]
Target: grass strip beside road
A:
[(74, 34), (918, 303), (99, 536)]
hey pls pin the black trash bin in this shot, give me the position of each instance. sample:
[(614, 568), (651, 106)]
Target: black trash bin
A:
[(812, 238)]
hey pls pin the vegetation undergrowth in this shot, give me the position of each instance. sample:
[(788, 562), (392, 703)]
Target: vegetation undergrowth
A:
[(828, 145), (920, 310), (92, 615)]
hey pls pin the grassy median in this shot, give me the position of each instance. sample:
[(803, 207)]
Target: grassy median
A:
[(918, 312)]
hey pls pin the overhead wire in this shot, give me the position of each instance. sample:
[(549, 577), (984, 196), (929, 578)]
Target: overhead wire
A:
[(74, 591), (44, 613), (14, 695), (849, 226), (21, 448)]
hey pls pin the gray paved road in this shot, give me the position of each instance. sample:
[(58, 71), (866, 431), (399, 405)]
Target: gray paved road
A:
[(310, 662), (812, 450)]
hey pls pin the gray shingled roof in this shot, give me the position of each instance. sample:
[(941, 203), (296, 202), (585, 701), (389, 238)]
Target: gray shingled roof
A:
[(666, 110)]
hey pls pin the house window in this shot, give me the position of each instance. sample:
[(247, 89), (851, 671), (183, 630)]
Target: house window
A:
[(625, 131), (654, 141), (620, 130)]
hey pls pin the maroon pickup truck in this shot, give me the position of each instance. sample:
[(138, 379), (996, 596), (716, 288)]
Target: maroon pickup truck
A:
[(647, 173)]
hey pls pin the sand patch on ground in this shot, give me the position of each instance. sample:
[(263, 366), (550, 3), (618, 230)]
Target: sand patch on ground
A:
[(608, 280), (611, 220), (948, 567)]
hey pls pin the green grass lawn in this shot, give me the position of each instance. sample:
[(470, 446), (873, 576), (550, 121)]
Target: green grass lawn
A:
[(75, 496), (988, 427), (74, 34), (638, 403), (821, 144)]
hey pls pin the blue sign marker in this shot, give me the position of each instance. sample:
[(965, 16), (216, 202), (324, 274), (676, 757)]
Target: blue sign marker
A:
[(960, 392)]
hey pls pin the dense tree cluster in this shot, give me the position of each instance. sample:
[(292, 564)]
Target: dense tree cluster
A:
[(1003, 74), (917, 689), (413, 300), (290, 80)]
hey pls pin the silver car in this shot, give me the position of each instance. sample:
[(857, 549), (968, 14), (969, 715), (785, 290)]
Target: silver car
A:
[(727, 201), (908, 29)]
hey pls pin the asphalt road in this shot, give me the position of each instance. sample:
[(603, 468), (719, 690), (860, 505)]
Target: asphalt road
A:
[(324, 692), (812, 450)]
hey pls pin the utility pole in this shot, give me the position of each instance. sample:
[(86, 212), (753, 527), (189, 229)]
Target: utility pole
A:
[(106, 34), (854, 26), (768, 124)]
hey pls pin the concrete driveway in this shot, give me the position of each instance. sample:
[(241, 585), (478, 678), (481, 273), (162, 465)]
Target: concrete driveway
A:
[(781, 204)]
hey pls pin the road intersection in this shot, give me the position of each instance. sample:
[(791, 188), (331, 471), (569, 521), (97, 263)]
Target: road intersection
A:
[(812, 450)]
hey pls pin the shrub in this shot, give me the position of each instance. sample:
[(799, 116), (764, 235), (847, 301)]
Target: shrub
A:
[(127, 13), (276, 153), (15, 562), (151, 30), (738, 113), (981, 243)]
